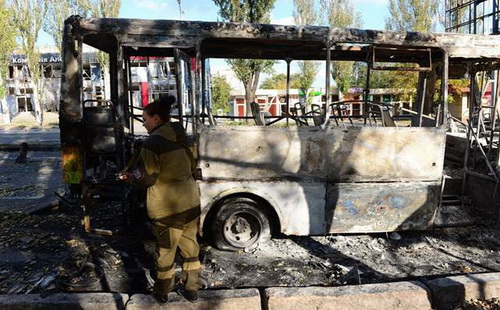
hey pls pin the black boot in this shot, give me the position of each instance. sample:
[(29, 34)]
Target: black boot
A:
[(161, 289), (192, 296), (161, 299)]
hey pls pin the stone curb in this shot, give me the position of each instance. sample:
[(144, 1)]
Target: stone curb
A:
[(397, 295), (441, 293), (452, 290), (244, 299), (63, 301)]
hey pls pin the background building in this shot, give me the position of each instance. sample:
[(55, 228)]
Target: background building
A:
[(20, 98), (472, 16)]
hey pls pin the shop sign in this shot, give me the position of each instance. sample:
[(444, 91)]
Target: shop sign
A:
[(20, 59)]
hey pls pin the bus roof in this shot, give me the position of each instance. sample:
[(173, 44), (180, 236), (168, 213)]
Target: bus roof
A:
[(266, 41)]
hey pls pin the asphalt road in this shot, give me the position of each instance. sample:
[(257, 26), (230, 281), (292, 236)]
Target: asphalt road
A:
[(30, 136), (25, 186)]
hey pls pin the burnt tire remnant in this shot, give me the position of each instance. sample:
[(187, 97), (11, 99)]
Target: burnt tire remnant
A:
[(240, 223)]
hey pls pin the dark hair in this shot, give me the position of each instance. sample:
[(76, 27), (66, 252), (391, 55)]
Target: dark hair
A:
[(161, 107)]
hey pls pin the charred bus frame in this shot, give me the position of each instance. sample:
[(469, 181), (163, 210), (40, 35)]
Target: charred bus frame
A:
[(298, 180)]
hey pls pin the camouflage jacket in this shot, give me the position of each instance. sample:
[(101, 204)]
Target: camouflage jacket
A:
[(172, 193)]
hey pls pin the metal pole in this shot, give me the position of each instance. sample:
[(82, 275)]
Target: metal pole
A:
[(327, 90), (494, 97), (475, 17), (444, 88), (469, 127), (367, 86), (495, 17), (422, 102), (288, 61), (204, 91)]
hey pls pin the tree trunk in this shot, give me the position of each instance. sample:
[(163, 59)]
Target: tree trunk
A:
[(37, 106), (5, 110), (249, 97), (250, 90)]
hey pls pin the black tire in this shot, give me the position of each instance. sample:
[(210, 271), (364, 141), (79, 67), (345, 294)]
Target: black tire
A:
[(240, 224)]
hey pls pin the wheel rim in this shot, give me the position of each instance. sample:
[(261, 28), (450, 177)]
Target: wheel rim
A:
[(242, 229)]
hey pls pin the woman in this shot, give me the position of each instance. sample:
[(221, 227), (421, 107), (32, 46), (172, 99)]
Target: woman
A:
[(173, 201)]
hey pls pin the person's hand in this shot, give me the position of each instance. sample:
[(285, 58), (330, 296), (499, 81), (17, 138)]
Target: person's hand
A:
[(125, 176)]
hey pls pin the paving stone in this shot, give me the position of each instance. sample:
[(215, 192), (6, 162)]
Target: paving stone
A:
[(70, 301), (244, 299), (401, 295), (450, 291)]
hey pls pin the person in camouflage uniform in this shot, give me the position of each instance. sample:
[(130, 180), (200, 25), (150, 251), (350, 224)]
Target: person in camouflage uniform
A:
[(165, 168)]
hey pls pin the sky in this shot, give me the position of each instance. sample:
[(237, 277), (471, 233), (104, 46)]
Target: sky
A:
[(373, 12)]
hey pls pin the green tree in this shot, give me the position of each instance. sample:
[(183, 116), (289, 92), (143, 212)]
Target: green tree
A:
[(381, 79), (402, 82), (100, 8), (341, 13), (7, 45), (275, 81), (278, 81), (412, 15), (28, 16), (250, 11), (305, 79), (221, 92), (305, 14), (247, 70), (57, 12)]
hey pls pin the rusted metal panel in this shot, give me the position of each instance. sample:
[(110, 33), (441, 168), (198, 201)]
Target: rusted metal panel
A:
[(254, 152), (358, 207), (197, 29), (387, 154), (349, 207), (179, 34), (381, 37), (71, 79), (70, 109), (336, 154), (300, 206)]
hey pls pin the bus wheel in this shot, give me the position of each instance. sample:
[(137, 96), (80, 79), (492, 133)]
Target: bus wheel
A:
[(240, 224)]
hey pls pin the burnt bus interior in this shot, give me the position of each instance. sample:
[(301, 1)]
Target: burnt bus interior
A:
[(99, 136)]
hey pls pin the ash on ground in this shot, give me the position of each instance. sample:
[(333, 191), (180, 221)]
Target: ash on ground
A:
[(49, 252)]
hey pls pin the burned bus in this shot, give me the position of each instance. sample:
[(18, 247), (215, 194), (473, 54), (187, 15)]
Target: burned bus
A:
[(336, 166)]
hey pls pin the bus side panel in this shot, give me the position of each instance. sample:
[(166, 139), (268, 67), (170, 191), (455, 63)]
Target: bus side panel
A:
[(358, 154), (257, 152), (375, 154), (381, 207), (300, 206)]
